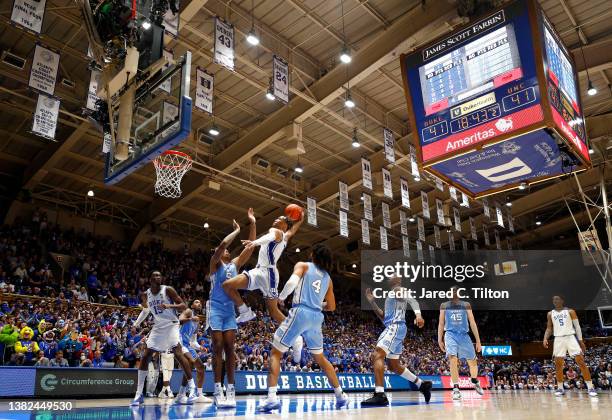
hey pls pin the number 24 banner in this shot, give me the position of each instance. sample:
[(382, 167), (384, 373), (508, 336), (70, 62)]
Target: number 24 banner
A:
[(280, 68)]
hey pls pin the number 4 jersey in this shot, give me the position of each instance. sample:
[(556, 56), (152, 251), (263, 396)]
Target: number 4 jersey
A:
[(312, 288)]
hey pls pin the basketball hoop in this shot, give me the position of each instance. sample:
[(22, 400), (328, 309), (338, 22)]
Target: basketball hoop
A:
[(170, 167)]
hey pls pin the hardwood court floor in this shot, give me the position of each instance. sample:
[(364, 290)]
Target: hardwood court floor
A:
[(404, 405)]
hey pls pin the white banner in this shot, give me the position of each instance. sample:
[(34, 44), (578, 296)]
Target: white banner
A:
[(45, 117), (343, 194), (419, 246), (464, 244), (166, 86), (473, 229), (510, 222), (92, 91), (107, 142), (387, 187), (485, 232), (389, 142), (384, 244), (170, 113), (425, 205), (403, 222), (414, 166), (497, 241), (386, 215), (171, 23), (485, 208), (500, 215), (280, 69), (224, 44), (439, 184), (453, 193), (437, 236), (451, 240), (406, 246), (29, 14), (421, 228), (365, 231), (43, 73), (457, 219), (344, 230), (404, 193), (440, 212), (465, 202), (205, 88), (311, 208), (367, 207), (366, 173), (432, 253)]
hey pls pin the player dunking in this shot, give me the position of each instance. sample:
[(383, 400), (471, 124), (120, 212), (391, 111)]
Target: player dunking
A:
[(313, 292), (163, 303), (391, 342), (188, 332), (456, 319), (221, 315), (563, 322)]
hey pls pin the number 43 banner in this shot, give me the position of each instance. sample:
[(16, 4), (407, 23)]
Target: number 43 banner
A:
[(224, 44), (281, 79)]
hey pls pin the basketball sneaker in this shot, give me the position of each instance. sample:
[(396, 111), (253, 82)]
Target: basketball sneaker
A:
[(269, 405), (559, 392), (342, 400), (297, 347), (425, 389), (478, 388), (379, 399), (218, 399), (245, 316), (592, 392), (137, 400), (202, 399), (456, 394), (165, 393)]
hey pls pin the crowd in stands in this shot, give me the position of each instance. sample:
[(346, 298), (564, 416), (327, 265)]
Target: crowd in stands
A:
[(71, 322)]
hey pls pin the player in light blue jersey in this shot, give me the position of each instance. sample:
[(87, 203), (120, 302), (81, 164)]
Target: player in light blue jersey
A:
[(313, 292), (221, 315), (391, 342), (456, 319)]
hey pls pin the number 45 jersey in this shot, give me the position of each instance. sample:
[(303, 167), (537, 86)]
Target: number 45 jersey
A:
[(455, 317), (312, 288)]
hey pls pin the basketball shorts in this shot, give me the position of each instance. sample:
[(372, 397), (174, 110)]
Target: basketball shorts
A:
[(220, 316), (391, 340), (460, 345), (300, 321), (264, 279), (566, 344), (164, 337)]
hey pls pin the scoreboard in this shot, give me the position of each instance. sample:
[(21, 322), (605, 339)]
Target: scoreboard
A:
[(485, 84)]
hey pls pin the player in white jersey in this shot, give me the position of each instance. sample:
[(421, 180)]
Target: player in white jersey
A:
[(563, 323), (163, 303), (391, 342)]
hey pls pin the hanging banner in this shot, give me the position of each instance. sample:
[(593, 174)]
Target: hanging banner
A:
[(421, 228), (464, 244), (365, 232), (343, 193), (414, 166), (403, 222), (280, 69), (29, 14), (389, 142), (497, 241), (465, 201), (473, 229), (440, 212), (166, 86), (383, 239), (366, 173), (485, 232), (451, 240), (205, 85), (387, 187), (344, 231), (386, 215), (106, 143), (367, 207), (485, 207), (92, 91), (43, 72), (224, 44), (311, 209), (510, 222), (406, 246), (432, 254), (439, 184), (419, 247), (44, 123), (500, 215), (404, 193), (171, 23), (437, 236), (425, 205), (457, 219), (453, 193)]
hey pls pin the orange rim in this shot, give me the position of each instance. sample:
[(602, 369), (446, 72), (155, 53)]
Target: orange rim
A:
[(158, 163)]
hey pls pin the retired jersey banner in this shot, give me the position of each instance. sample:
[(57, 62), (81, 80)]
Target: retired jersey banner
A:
[(343, 194), (107, 143), (473, 229), (384, 244), (43, 73), (421, 228), (403, 222), (404, 192), (205, 87), (387, 187), (457, 219), (166, 86), (485, 232), (389, 142), (439, 184), (171, 23), (485, 208), (386, 215), (464, 244), (406, 246), (366, 173), (510, 222), (497, 241), (437, 237), (280, 69), (432, 253), (92, 91), (344, 230), (451, 240), (45, 117), (453, 193), (500, 215), (465, 201), (311, 210), (419, 247), (440, 212), (414, 166), (425, 205), (29, 14), (367, 207), (224, 44), (365, 232)]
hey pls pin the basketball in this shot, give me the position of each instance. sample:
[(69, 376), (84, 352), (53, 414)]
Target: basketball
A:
[(294, 212)]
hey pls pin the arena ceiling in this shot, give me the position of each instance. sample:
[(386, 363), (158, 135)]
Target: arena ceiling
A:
[(310, 34)]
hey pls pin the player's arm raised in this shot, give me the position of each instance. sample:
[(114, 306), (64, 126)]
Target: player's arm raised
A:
[(144, 314), (178, 304), (329, 304), (371, 300), (296, 226), (273, 234), (549, 330), (299, 270), (473, 327), (216, 257), (577, 328), (441, 322), (246, 253)]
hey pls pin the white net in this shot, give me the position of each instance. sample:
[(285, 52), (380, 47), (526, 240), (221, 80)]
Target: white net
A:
[(170, 167)]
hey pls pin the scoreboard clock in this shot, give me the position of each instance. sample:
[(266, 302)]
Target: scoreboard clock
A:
[(495, 104)]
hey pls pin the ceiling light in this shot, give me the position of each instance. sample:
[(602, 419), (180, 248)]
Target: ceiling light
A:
[(206, 225), (355, 141), (522, 186), (411, 219), (146, 25), (538, 223), (417, 179), (354, 265), (270, 95), (297, 249), (252, 37), (348, 102), (299, 168), (345, 55), (509, 204), (591, 151), (213, 130), (90, 193), (591, 91)]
